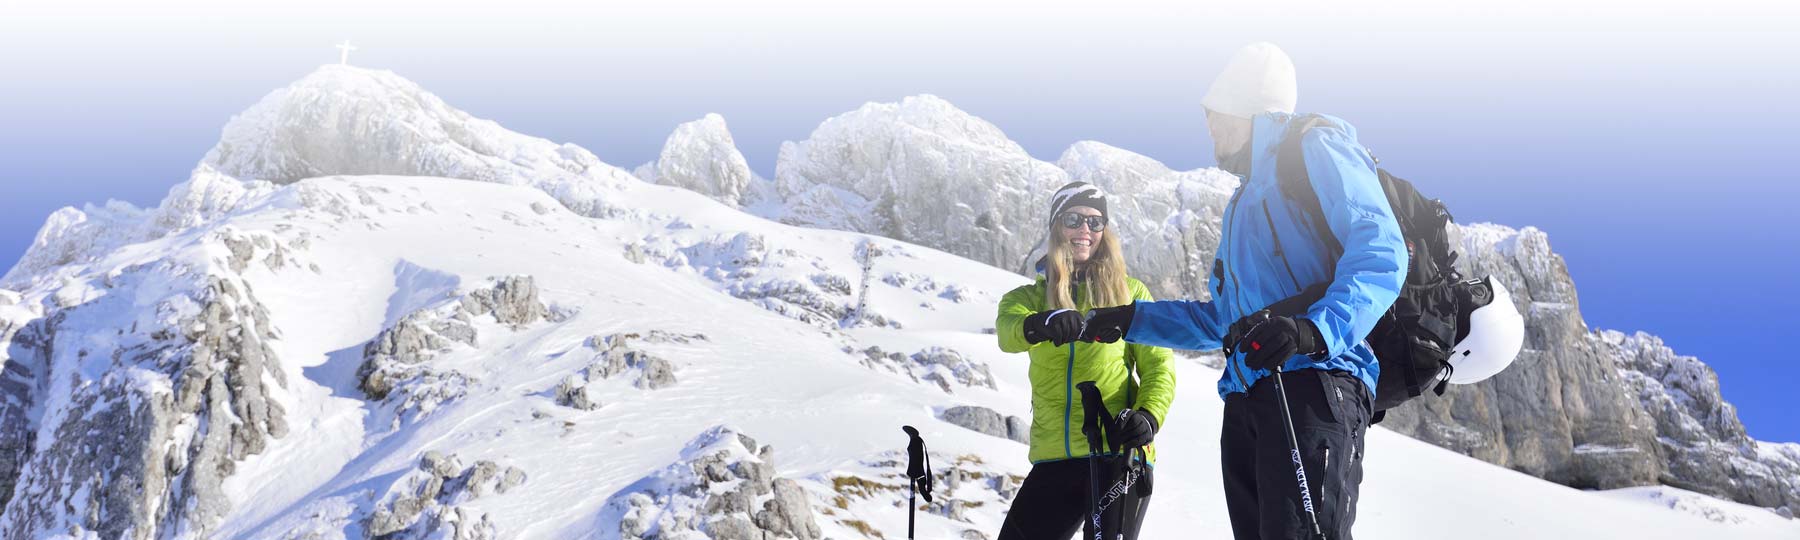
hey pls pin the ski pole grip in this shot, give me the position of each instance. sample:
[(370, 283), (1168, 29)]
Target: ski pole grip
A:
[(1094, 416), (918, 464)]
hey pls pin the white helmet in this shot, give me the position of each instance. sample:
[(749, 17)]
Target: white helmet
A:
[(1491, 337)]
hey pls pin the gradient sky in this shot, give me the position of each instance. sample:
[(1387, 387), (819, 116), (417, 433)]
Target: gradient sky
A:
[(1645, 137)]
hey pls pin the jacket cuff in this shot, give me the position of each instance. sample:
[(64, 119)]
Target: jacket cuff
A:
[(1311, 342)]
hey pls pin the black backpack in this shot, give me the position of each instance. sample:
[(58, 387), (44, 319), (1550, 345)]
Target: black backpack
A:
[(1412, 340)]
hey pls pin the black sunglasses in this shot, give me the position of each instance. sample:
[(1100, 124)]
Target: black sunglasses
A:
[(1072, 220)]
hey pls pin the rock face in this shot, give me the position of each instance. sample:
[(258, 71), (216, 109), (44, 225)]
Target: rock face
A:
[(343, 120), (74, 236), (923, 172), (427, 502), (144, 445), (715, 491), (399, 357), (1561, 411), (619, 356), (1593, 409), (1704, 445), (931, 365), (988, 422), (702, 157)]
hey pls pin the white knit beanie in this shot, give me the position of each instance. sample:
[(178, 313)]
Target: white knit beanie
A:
[(1259, 79)]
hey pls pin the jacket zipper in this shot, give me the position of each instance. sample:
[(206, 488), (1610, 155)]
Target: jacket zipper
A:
[(1276, 238), (1237, 291), (1068, 399), (1069, 382)]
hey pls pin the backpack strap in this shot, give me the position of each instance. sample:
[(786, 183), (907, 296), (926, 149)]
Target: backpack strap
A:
[(1296, 184)]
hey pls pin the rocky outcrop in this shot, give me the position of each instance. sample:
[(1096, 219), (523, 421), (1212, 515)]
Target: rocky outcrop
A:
[(939, 366), (920, 171), (723, 487), (618, 357), (1593, 409), (140, 447), (427, 502), (1560, 412), (1705, 445), (344, 120), (751, 267), (962, 484), (19, 386), (988, 422), (71, 237), (399, 358), (702, 157)]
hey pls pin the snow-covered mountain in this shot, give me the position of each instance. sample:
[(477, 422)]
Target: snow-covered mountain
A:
[(367, 314)]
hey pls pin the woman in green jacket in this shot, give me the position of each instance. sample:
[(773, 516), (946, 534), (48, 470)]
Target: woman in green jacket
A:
[(1083, 269)]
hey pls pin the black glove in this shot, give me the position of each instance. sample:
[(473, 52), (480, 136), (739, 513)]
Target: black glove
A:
[(1266, 345), (1109, 324), (1060, 326), (1135, 428)]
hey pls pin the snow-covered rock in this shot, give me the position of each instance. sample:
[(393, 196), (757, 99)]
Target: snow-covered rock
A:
[(701, 156), (142, 401), (724, 486), (989, 422), (1705, 445), (344, 120), (1593, 408), (919, 171)]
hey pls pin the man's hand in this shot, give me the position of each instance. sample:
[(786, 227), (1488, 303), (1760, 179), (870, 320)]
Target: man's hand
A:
[(1271, 342), (1110, 324)]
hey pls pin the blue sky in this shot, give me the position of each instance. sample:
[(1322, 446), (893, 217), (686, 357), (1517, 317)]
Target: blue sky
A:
[(1646, 138)]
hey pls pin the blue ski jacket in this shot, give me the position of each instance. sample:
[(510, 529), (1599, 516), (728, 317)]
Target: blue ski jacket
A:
[(1249, 274)]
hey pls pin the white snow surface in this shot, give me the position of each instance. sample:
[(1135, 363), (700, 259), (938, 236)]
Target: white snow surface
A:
[(784, 310)]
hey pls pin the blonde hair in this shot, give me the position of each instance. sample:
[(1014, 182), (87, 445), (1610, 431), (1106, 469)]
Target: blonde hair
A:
[(1104, 284)]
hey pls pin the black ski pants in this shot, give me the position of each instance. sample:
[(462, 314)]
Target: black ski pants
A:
[(1262, 489), (1053, 503)]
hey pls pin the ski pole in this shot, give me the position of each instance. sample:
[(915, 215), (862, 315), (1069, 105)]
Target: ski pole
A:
[(1287, 417), (1093, 415), (918, 470)]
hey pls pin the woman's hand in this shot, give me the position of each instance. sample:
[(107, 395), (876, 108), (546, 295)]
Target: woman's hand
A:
[(1136, 428), (1058, 326)]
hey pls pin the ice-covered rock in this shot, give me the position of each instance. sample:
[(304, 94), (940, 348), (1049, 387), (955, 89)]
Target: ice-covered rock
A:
[(428, 502), (723, 486), (399, 357), (143, 439), (1704, 444), (920, 171), (701, 156), (344, 120), (943, 367), (72, 237)]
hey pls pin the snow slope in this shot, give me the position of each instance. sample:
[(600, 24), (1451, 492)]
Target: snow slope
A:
[(732, 371)]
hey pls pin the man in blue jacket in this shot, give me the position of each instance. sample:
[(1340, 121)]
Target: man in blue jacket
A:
[(1271, 249)]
